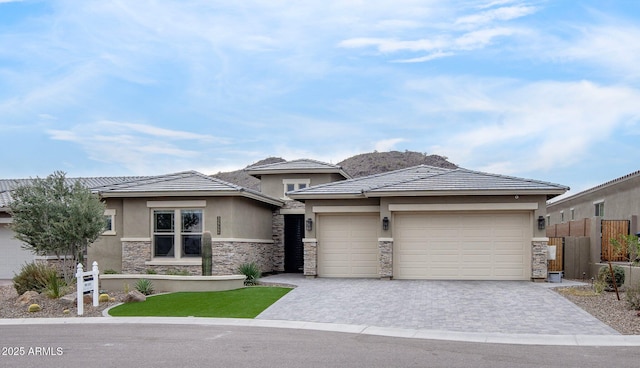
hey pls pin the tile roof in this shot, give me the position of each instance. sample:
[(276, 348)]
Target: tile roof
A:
[(188, 183), (296, 166), (429, 180)]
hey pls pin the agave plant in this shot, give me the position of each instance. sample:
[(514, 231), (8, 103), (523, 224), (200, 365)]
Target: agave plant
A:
[(251, 271)]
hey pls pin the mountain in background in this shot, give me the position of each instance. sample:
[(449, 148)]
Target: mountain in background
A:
[(356, 166)]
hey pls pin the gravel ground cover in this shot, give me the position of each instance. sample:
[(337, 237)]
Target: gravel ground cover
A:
[(603, 306), (10, 307)]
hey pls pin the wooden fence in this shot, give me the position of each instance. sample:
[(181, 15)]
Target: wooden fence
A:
[(557, 264), (612, 229)]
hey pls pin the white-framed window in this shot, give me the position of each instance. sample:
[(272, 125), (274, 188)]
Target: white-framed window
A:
[(561, 216), (573, 214), (599, 209), (177, 233), (294, 184), (548, 220), (110, 222)]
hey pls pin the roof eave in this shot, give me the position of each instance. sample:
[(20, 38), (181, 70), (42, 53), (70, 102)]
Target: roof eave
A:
[(302, 197), (448, 193), (259, 173), (226, 193)]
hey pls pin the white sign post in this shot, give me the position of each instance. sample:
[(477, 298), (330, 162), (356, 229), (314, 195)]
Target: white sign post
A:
[(91, 283)]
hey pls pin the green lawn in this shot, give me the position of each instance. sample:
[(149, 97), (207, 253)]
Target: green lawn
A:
[(241, 303)]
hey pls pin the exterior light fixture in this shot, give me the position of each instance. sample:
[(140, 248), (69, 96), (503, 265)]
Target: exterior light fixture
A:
[(218, 225), (385, 223), (541, 223), (309, 224)]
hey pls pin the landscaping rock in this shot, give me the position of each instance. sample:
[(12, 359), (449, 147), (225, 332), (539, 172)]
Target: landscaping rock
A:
[(69, 299), (134, 296), (27, 298)]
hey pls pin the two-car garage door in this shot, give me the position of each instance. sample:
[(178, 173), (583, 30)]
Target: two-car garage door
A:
[(462, 245), (454, 245)]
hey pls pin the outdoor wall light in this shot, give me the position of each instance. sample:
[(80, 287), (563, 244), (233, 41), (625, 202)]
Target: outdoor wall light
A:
[(218, 225), (309, 224), (541, 223), (385, 223)]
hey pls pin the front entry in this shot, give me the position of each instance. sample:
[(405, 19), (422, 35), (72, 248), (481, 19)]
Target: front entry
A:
[(293, 247)]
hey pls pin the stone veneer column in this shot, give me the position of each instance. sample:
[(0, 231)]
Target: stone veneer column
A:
[(278, 240), (385, 247), (310, 257), (539, 259), (134, 255)]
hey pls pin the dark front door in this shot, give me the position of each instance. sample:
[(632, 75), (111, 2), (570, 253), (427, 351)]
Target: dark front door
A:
[(293, 248)]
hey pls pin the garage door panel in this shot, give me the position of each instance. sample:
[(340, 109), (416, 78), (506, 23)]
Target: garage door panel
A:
[(348, 245), (485, 245)]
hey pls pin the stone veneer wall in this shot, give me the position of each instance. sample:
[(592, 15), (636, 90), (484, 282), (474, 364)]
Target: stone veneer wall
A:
[(278, 241), (385, 248), (310, 257), (229, 255), (134, 256), (539, 259), (227, 258)]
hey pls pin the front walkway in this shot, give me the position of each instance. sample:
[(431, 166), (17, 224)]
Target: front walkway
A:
[(509, 307)]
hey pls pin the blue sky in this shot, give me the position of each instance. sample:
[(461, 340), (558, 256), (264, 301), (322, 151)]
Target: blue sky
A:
[(548, 90)]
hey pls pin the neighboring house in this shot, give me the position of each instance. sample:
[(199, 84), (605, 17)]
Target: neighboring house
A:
[(311, 217), (581, 214)]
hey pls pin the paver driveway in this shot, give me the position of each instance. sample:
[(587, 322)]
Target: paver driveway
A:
[(516, 307)]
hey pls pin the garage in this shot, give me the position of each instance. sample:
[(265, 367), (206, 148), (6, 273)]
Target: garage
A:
[(348, 245), (13, 256), (462, 245)]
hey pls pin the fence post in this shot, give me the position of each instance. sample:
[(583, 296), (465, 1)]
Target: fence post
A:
[(80, 288), (96, 283)]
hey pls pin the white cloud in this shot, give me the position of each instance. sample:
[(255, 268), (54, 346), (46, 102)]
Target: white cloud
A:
[(387, 144), (520, 127), (139, 147), (499, 14)]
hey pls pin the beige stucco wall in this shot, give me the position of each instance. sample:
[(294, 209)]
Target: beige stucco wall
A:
[(272, 185), (107, 250), (240, 218), (621, 201)]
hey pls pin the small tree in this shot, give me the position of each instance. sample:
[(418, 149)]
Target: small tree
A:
[(52, 216), (624, 246)]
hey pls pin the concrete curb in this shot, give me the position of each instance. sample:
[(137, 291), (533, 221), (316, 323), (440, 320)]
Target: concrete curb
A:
[(478, 337)]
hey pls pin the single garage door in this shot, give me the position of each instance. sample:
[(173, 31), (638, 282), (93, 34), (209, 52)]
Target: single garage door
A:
[(13, 256), (462, 246), (348, 245)]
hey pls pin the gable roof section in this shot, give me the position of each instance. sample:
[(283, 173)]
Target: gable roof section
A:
[(187, 184), (301, 166), (426, 180), (7, 185)]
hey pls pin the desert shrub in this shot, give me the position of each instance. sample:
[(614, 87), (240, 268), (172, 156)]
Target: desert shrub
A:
[(34, 276), (604, 274), (633, 297), (110, 272), (251, 271), (145, 286), (103, 298), (34, 308), (151, 271), (56, 287)]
